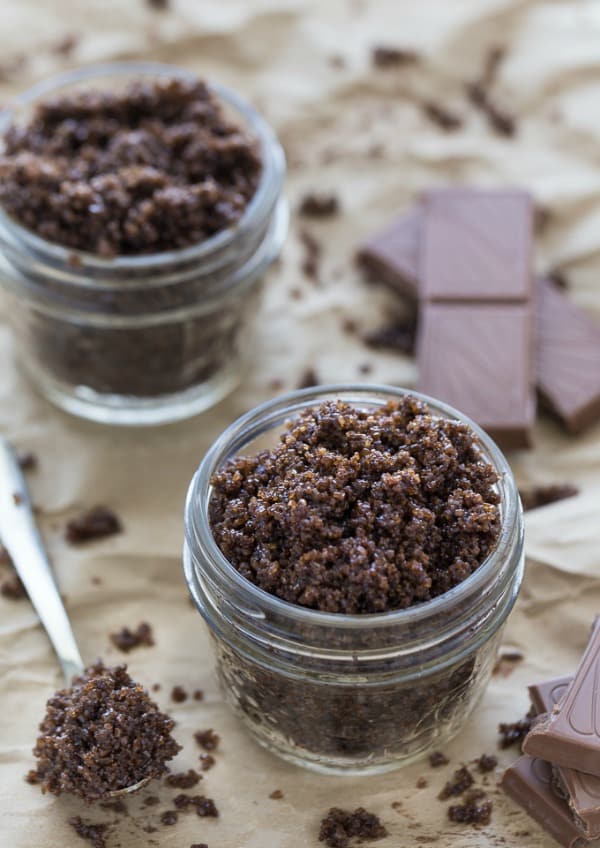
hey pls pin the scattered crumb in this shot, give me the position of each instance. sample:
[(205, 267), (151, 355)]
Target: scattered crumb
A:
[(399, 336), (205, 807), (169, 817), (156, 687), (312, 254), (178, 694), (207, 761), (350, 326), (542, 217), (308, 379), (442, 117), (513, 734), (338, 827), (95, 834), (207, 739), (65, 45), (499, 120), (487, 762), (538, 496), (151, 801), (28, 461), (365, 368), (506, 662), (96, 523), (17, 498), (314, 205), (199, 845), (472, 811), (198, 695), (559, 278), (422, 783), (296, 293), (276, 384), (126, 640), (159, 5), (95, 581), (33, 777), (116, 806), (461, 780), (383, 56), (276, 795), (396, 805), (437, 759), (12, 588), (184, 779)]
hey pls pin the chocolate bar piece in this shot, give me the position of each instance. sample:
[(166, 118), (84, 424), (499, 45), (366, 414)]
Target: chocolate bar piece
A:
[(568, 358), (567, 343), (545, 696), (479, 358), (529, 783), (570, 736), (581, 791), (477, 246), (392, 255)]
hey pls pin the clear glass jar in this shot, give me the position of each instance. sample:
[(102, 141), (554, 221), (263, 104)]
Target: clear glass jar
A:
[(148, 339), (349, 693)]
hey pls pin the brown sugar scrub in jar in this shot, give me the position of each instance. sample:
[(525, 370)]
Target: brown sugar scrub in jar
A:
[(140, 208), (355, 552)]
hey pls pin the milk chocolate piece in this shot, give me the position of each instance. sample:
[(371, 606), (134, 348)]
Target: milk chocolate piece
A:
[(477, 246), (567, 340), (478, 358), (545, 696), (568, 358), (529, 783), (581, 791), (392, 255), (570, 736)]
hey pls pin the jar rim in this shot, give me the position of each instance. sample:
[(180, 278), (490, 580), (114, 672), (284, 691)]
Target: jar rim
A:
[(273, 171), (257, 422)]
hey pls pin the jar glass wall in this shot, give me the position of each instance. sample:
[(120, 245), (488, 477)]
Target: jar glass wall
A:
[(148, 339), (349, 693)]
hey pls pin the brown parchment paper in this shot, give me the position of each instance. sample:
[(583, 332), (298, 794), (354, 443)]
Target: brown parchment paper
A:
[(331, 113)]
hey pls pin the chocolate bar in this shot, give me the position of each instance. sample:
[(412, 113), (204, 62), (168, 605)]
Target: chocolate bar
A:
[(545, 696), (529, 783), (477, 246), (392, 255), (570, 736), (479, 358), (581, 791), (567, 344), (568, 358)]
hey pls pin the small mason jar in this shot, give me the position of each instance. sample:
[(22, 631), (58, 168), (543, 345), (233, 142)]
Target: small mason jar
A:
[(349, 693), (141, 339)]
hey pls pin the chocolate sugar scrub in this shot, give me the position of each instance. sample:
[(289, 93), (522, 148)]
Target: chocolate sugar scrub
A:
[(359, 511), (101, 735), (355, 552), (139, 210), (157, 166)]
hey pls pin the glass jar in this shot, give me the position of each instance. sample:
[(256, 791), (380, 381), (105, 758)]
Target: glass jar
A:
[(349, 693), (148, 339)]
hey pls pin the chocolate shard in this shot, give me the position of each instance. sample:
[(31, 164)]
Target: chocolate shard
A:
[(546, 695), (581, 791), (478, 358), (477, 246), (391, 255), (529, 783), (568, 358), (570, 736)]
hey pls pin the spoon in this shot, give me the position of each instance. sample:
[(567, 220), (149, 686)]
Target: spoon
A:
[(22, 540)]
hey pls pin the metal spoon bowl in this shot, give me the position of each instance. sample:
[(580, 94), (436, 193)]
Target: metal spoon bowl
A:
[(21, 538)]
